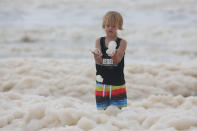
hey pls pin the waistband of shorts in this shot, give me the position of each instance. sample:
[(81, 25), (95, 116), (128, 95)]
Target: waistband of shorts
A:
[(101, 84)]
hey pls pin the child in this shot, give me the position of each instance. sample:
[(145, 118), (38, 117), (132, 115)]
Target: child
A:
[(110, 64)]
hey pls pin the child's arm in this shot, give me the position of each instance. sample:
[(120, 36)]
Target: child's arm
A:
[(98, 57), (117, 57)]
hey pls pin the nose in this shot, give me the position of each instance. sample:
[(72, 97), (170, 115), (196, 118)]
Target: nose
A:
[(110, 27)]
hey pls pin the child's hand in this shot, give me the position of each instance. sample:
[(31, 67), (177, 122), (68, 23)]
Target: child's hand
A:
[(96, 52)]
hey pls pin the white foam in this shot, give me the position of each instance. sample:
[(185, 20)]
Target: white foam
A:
[(99, 78), (112, 45), (50, 95)]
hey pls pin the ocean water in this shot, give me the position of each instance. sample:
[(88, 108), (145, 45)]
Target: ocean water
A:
[(47, 73), (156, 31)]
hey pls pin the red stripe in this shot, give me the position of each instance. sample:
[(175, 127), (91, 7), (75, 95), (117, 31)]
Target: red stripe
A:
[(114, 92), (118, 91)]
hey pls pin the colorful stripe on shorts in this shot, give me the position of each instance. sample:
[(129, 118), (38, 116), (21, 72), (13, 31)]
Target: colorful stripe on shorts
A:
[(107, 95)]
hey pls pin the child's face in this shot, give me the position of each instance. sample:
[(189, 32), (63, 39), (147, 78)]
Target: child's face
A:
[(111, 30)]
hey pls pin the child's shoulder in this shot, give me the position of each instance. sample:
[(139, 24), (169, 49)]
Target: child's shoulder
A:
[(98, 40), (123, 40)]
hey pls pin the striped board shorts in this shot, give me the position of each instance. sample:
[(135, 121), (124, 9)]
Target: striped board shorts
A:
[(107, 95)]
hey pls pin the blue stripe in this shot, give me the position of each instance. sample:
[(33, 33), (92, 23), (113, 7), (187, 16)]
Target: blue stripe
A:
[(103, 104), (119, 102)]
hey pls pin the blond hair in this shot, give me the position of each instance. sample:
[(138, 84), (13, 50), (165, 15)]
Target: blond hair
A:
[(113, 18)]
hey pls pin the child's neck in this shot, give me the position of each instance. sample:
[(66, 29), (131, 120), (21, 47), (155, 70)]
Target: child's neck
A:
[(111, 38)]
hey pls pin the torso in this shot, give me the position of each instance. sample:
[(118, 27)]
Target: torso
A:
[(112, 73)]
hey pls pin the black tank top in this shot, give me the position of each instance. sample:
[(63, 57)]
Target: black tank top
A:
[(112, 74)]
